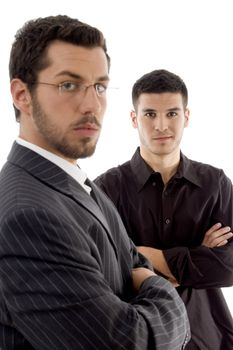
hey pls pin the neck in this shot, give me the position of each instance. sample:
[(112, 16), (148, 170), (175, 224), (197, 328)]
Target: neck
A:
[(166, 164), (39, 142)]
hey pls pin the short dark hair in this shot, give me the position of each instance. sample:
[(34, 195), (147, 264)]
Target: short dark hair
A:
[(159, 81), (29, 50)]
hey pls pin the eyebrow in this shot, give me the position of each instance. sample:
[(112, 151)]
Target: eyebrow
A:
[(167, 110), (174, 109), (148, 110), (79, 77)]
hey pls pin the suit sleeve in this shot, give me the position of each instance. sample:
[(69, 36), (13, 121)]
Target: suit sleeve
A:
[(203, 267), (57, 297)]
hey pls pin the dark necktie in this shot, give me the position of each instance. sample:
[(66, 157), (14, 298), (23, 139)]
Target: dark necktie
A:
[(92, 194)]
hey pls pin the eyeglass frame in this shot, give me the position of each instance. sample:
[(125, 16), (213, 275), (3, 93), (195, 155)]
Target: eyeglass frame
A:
[(78, 87)]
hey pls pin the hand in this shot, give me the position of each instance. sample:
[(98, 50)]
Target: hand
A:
[(217, 236), (139, 275)]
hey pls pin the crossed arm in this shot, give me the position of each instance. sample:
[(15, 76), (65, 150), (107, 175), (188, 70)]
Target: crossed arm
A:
[(216, 236), (59, 297)]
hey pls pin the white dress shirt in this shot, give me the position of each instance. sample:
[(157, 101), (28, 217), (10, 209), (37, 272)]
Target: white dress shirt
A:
[(69, 168)]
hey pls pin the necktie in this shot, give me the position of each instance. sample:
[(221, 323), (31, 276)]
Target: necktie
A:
[(92, 194)]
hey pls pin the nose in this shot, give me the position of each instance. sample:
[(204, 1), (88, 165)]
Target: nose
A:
[(90, 102), (161, 123)]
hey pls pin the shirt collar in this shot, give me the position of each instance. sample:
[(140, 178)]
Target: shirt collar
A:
[(69, 168), (142, 171), (187, 170)]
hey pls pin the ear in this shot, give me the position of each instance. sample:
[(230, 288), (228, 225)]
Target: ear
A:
[(134, 119), (186, 116), (21, 96)]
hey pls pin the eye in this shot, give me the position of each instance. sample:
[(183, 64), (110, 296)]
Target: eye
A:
[(150, 115), (69, 86), (100, 88), (172, 114)]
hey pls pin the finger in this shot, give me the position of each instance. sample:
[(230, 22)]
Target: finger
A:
[(222, 231), (223, 239), (213, 229), (222, 243)]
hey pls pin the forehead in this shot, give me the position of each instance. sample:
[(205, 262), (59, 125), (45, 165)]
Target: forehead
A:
[(85, 62), (157, 101)]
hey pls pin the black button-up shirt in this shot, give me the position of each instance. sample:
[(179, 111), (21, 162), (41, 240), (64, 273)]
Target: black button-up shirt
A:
[(174, 218)]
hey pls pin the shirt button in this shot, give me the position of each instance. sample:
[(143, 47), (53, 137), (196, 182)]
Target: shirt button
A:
[(167, 221), (153, 183)]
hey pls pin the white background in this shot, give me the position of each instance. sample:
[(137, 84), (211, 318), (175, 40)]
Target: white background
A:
[(192, 38)]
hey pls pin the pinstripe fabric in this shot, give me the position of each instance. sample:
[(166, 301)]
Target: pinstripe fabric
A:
[(65, 265)]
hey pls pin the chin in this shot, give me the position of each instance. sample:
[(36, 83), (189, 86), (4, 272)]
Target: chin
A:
[(87, 151)]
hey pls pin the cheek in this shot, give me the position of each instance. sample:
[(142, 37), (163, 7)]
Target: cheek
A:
[(145, 129), (147, 125), (179, 129), (49, 102), (104, 105)]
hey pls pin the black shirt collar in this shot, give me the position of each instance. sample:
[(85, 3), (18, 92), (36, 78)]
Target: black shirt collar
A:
[(142, 171)]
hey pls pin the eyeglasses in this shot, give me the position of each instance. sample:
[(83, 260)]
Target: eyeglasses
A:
[(75, 88)]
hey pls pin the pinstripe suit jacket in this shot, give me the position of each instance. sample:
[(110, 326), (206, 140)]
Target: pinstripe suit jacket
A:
[(65, 269)]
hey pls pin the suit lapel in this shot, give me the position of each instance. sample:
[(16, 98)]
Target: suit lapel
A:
[(55, 177), (87, 202)]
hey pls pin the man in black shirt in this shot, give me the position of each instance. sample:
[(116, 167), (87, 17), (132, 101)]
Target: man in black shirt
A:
[(168, 203)]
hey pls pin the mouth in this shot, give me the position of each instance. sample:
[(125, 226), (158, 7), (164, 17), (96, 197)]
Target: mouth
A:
[(162, 138), (87, 130)]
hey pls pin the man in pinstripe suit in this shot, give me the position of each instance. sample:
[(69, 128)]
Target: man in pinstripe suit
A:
[(69, 276)]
